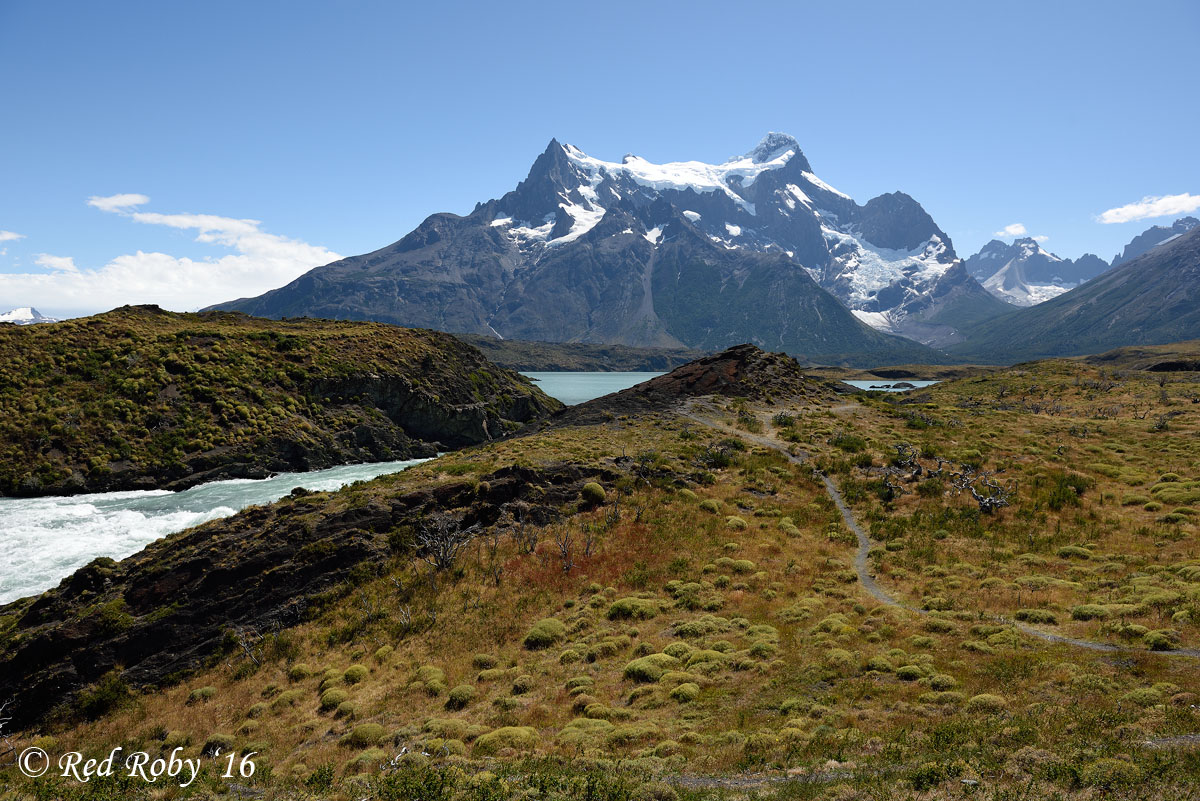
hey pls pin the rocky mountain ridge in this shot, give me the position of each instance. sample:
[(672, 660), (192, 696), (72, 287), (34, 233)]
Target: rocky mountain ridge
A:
[(670, 255)]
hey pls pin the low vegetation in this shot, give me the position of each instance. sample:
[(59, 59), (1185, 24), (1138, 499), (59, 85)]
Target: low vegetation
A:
[(700, 629), (139, 397)]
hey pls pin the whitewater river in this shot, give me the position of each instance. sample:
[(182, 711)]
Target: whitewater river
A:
[(43, 540)]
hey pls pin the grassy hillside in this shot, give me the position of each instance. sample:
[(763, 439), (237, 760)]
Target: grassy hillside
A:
[(662, 602), (139, 397)]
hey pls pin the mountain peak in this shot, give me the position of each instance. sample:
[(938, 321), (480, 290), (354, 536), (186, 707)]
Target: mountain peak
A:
[(771, 146), (25, 315)]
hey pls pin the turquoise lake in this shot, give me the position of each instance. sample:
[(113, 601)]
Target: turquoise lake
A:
[(576, 388)]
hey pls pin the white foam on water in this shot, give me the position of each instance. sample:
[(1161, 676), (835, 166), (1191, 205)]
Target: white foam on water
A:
[(43, 540)]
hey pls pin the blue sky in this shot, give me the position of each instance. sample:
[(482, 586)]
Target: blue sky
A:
[(334, 128)]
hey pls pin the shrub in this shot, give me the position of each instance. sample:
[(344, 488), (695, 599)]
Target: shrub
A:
[(632, 733), (679, 650), (944, 698), (570, 656), (593, 494), (217, 743), (176, 739), (371, 758), (736, 523), (287, 698), (107, 694), (201, 694), (299, 672), (879, 664), (331, 698), (447, 728), (517, 738), (429, 673), (364, 735), (942, 681), (710, 505), (346, 709), (650, 668), (705, 656), (1036, 616), (909, 673), (986, 703), (633, 609), (355, 673), (584, 731), (688, 691), (579, 684), (382, 653), (1143, 696), (742, 566), (1088, 612), (545, 633), (709, 624), (460, 696), (1161, 639), (1110, 774), (522, 685), (484, 661)]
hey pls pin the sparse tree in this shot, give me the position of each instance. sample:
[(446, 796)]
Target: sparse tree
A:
[(439, 542), (591, 538), (1163, 421), (564, 541), (249, 640), (6, 745), (987, 492), (495, 566)]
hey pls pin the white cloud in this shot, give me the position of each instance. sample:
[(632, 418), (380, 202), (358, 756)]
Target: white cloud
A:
[(64, 264), (1148, 207), (9, 236), (259, 261), (1040, 238), (118, 202), (1016, 229)]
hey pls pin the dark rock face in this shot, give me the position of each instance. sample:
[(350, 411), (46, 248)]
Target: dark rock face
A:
[(597, 252), (172, 607), (898, 222), (1152, 237)]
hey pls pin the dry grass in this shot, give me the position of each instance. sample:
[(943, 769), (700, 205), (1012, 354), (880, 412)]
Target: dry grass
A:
[(754, 648)]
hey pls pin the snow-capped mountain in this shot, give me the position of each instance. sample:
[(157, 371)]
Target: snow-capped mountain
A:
[(25, 316), (1026, 274), (1153, 237), (682, 253)]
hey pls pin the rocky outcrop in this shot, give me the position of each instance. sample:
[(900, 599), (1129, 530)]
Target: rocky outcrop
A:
[(167, 610), (743, 371), (140, 398)]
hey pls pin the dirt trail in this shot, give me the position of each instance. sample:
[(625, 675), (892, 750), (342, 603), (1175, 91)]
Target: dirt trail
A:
[(862, 567)]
